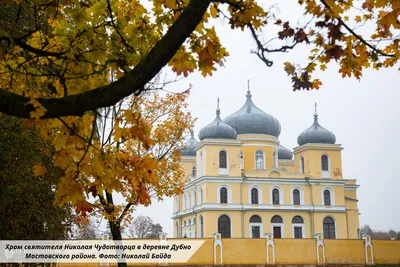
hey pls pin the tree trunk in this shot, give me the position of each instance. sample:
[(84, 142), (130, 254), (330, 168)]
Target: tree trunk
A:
[(115, 229)]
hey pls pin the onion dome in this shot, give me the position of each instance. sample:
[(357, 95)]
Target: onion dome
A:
[(217, 129), (252, 120), (284, 152), (316, 134), (189, 146)]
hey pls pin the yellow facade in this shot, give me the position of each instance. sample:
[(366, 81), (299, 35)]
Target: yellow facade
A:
[(254, 180)]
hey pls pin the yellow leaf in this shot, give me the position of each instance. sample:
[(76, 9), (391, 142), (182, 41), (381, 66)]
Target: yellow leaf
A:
[(289, 68), (39, 169), (358, 18), (213, 11)]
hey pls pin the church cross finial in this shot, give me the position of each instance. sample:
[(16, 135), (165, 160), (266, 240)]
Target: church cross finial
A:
[(218, 110), (315, 106), (248, 89)]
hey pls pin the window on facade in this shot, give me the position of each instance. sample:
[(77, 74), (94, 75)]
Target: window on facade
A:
[(194, 171), (255, 223), (275, 196), (324, 163), (201, 195), (301, 164), (177, 229), (223, 160), (241, 160), (201, 227), (296, 197), (327, 197), (254, 196), (329, 228), (224, 226), (194, 198), (223, 195), (260, 163), (276, 219), (297, 222), (185, 202), (190, 201)]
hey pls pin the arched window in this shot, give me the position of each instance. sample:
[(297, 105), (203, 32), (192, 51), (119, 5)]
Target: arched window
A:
[(223, 160), (324, 163), (260, 162), (327, 197), (241, 160), (185, 202), (223, 195), (176, 203), (301, 164), (189, 201), (190, 228), (296, 197), (177, 229), (255, 226), (224, 226), (184, 230), (201, 164), (194, 198), (298, 227), (194, 171), (277, 226), (254, 196), (325, 166), (329, 228), (201, 227), (201, 195), (275, 197)]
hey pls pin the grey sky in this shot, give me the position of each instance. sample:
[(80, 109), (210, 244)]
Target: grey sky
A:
[(362, 114)]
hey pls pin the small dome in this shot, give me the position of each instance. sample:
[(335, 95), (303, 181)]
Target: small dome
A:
[(252, 120), (217, 129), (284, 152), (316, 134), (189, 146)]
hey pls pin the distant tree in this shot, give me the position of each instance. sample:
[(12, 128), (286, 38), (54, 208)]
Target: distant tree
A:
[(398, 236), (366, 230), (392, 234), (86, 230), (143, 227), (155, 231), (27, 208)]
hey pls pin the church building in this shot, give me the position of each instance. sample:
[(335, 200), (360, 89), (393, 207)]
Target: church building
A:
[(241, 182)]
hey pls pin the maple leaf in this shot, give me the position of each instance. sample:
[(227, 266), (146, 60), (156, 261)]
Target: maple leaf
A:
[(39, 169), (335, 52), (289, 68)]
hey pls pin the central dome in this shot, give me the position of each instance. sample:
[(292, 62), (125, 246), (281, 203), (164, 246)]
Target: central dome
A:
[(252, 120)]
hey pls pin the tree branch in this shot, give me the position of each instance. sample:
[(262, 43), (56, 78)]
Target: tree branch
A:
[(132, 83)]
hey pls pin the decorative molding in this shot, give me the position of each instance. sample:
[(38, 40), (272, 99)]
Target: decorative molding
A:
[(335, 147), (368, 243), (218, 142), (217, 242), (261, 145), (320, 243), (270, 243)]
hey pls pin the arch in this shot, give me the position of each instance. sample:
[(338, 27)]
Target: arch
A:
[(276, 195), (222, 197), (201, 226), (329, 227), (301, 164), (190, 228), (194, 171), (327, 197), (241, 160), (255, 197), (255, 219), (184, 229), (274, 174), (298, 228), (259, 159), (276, 219), (225, 226), (294, 198), (325, 166), (194, 221)]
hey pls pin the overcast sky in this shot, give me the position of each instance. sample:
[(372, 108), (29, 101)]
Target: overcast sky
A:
[(362, 114)]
